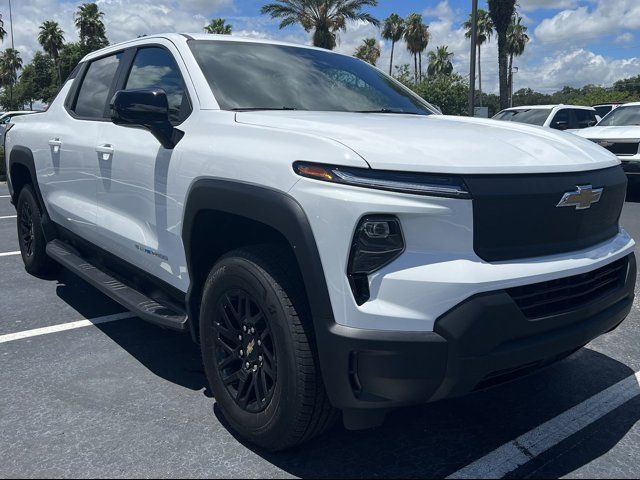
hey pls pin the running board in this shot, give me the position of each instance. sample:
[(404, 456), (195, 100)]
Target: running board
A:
[(133, 300)]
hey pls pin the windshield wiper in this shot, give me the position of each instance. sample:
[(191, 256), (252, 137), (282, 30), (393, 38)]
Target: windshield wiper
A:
[(388, 110), (257, 109)]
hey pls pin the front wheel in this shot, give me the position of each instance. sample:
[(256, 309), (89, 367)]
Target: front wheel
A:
[(258, 352)]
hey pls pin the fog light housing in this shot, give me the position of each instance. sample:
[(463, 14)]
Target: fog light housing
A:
[(377, 242)]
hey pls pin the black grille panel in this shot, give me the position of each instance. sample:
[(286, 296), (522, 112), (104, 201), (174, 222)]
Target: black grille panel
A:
[(621, 148), (516, 216), (559, 296)]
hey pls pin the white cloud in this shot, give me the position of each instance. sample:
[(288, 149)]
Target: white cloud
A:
[(584, 23), (531, 5), (625, 38)]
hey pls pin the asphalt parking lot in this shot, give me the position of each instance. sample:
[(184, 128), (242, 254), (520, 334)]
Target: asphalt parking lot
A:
[(126, 399)]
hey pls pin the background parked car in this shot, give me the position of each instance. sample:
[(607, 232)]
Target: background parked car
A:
[(604, 109), (619, 132), (558, 117), (6, 117)]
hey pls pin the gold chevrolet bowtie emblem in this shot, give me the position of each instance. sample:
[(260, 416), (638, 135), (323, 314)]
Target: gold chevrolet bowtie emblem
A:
[(582, 198), (250, 347)]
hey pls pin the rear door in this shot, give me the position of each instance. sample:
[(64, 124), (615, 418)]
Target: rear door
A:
[(585, 118), (70, 182), (139, 214)]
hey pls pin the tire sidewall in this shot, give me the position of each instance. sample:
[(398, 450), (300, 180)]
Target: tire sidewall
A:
[(267, 426), (32, 263)]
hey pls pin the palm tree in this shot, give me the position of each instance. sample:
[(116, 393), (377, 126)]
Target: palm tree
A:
[(502, 12), (88, 21), (325, 17), (517, 40), (369, 51), (51, 37), (10, 63), (485, 32), (219, 26), (417, 37), (3, 33), (440, 62), (393, 31)]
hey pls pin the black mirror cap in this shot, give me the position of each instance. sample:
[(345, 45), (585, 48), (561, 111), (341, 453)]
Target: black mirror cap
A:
[(147, 108)]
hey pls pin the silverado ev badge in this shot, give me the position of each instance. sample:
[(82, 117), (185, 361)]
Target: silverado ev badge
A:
[(605, 144), (582, 198)]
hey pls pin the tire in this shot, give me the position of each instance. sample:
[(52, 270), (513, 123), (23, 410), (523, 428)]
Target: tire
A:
[(286, 405), (31, 236)]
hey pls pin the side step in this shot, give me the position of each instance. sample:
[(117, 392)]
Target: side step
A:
[(135, 301)]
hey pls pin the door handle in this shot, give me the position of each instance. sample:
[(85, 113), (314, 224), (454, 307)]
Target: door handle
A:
[(105, 151), (56, 143)]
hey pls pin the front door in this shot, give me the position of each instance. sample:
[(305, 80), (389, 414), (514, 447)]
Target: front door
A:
[(139, 216)]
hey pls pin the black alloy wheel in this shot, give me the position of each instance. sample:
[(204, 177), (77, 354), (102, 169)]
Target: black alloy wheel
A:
[(246, 358)]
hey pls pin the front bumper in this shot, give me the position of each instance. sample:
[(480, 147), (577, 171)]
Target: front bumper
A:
[(486, 340)]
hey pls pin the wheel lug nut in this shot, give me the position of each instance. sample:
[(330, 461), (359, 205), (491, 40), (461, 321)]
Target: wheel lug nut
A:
[(242, 353), (260, 358), (244, 329), (259, 343), (248, 365), (240, 337), (255, 368)]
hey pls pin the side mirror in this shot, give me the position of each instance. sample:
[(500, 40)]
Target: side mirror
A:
[(561, 126), (147, 108)]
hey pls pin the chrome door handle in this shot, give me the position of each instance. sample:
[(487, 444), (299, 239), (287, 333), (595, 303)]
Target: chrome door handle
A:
[(105, 151), (56, 143)]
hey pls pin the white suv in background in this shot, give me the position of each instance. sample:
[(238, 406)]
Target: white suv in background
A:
[(333, 245), (558, 117), (619, 132)]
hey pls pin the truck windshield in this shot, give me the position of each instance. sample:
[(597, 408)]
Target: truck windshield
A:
[(622, 117), (531, 116), (254, 76)]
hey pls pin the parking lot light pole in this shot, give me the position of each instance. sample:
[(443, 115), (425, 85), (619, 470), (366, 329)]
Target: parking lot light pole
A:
[(472, 74)]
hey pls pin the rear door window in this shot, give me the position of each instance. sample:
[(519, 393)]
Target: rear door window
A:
[(96, 86), (564, 120)]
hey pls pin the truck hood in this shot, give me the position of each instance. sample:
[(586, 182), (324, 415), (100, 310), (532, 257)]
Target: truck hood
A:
[(631, 132), (443, 144)]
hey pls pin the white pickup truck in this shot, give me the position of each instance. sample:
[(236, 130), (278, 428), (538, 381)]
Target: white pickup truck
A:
[(333, 244)]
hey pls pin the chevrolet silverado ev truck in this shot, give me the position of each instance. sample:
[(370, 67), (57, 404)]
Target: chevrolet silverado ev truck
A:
[(334, 245)]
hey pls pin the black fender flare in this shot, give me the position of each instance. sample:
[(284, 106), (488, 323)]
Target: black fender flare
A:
[(272, 208), (20, 155)]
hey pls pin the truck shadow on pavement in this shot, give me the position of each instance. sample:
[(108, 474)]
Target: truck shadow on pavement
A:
[(434, 441)]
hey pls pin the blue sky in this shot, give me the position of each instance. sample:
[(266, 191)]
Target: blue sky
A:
[(574, 42)]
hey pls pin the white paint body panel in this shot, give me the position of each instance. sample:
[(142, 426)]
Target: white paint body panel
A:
[(137, 197), (618, 134)]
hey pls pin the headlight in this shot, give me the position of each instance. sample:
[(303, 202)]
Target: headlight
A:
[(377, 242), (403, 182)]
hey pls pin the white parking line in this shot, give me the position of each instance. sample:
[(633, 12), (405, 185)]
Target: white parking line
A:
[(12, 337), (520, 451), (9, 254), (8, 216)]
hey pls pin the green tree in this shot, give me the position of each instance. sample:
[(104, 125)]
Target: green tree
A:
[(449, 92), (218, 26), (369, 51), (417, 37), (88, 21), (440, 61), (37, 81), (51, 37), (324, 17), (10, 64), (393, 30), (517, 40), (502, 12), (70, 56), (628, 85), (485, 32)]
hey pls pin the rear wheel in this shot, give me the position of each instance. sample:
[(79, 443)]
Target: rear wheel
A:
[(258, 350), (31, 236)]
